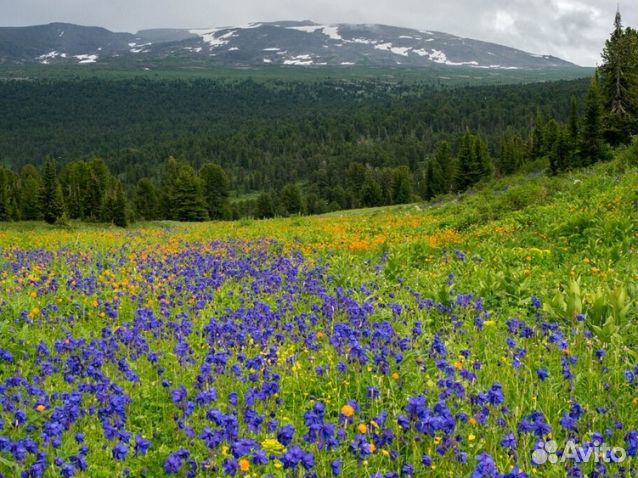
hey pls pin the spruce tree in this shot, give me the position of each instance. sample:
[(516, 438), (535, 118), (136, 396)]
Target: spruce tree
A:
[(573, 120), (512, 153), (436, 180), (560, 151), (402, 185), (186, 197), (216, 190), (619, 83), (536, 140), (30, 186), (5, 214), (466, 166), (592, 148), (119, 207), (290, 199), (265, 205), (51, 201), (146, 200)]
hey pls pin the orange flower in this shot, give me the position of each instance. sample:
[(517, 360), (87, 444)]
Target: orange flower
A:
[(395, 376), (472, 421), (244, 464), (347, 410), (40, 408), (372, 447), (362, 428)]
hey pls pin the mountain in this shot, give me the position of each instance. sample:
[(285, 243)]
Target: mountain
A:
[(57, 42), (276, 43)]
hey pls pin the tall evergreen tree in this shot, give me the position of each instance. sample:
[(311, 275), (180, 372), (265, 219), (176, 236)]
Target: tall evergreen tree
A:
[(216, 190), (560, 151), (119, 207), (619, 83), (402, 186), (5, 193), (290, 199), (186, 196), (512, 152), (265, 205), (573, 120), (466, 166), (371, 191), (436, 180), (51, 200), (592, 148), (536, 140), (30, 186), (146, 200)]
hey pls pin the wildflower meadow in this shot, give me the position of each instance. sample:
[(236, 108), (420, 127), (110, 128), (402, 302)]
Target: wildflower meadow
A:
[(485, 336)]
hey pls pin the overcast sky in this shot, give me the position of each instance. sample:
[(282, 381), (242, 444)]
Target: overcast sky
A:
[(571, 29)]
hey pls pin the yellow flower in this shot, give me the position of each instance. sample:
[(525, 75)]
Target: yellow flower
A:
[(489, 323), (362, 428), (471, 437), (271, 444), (395, 376), (372, 447)]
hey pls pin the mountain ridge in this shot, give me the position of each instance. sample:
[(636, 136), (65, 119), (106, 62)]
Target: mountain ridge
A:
[(286, 42)]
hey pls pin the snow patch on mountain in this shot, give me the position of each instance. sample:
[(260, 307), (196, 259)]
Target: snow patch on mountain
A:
[(299, 60), (86, 58)]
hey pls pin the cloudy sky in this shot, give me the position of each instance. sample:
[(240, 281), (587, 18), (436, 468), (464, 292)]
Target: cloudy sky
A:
[(571, 29)]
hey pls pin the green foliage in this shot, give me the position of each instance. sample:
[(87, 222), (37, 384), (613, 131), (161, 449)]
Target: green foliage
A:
[(619, 84), (51, 199), (473, 161), (592, 147), (290, 200), (185, 197), (30, 186), (146, 200), (216, 190)]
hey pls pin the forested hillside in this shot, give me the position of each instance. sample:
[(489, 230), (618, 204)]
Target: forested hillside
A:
[(288, 147)]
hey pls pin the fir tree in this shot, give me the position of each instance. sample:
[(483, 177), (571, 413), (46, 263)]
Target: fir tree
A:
[(512, 153), (573, 120), (265, 205), (5, 214), (536, 140), (436, 181), (119, 207), (619, 83), (146, 200), (186, 197), (466, 166), (592, 148), (30, 186), (560, 151), (51, 201), (216, 184), (290, 200), (402, 185)]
